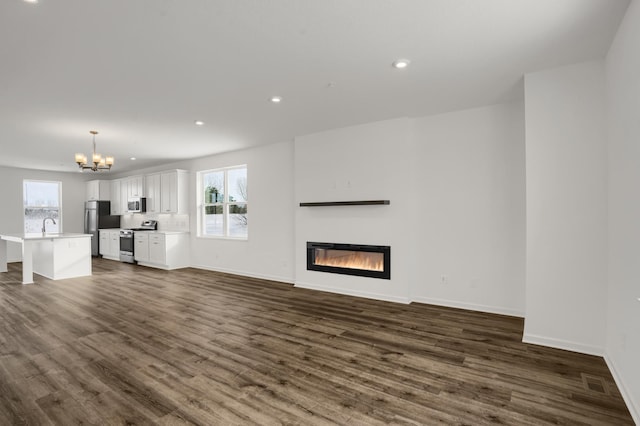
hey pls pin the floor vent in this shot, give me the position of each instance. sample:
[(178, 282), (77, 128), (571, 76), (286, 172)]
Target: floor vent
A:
[(594, 384)]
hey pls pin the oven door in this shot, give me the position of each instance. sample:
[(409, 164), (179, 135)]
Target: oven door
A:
[(126, 246)]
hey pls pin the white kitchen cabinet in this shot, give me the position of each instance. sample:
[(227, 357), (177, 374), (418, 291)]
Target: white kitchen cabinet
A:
[(114, 247), (104, 242), (153, 192), (141, 246), (166, 250), (175, 191), (157, 249), (135, 186), (131, 187), (124, 196), (110, 243), (116, 197), (97, 190)]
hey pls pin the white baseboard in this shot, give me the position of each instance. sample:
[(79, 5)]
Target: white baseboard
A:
[(287, 280), (563, 344), (348, 292), (156, 266), (470, 306), (633, 404), (104, 256)]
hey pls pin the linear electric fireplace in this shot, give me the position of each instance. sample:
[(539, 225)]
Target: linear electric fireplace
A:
[(350, 259)]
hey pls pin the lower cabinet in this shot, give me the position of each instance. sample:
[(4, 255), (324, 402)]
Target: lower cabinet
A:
[(157, 249), (168, 250), (115, 244), (104, 242), (110, 244), (141, 246)]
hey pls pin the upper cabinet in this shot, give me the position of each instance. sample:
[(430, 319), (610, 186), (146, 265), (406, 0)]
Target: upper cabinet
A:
[(153, 192), (117, 208), (174, 192), (165, 192), (98, 190), (135, 186)]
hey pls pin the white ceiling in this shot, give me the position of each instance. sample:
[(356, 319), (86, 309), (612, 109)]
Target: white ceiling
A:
[(141, 71)]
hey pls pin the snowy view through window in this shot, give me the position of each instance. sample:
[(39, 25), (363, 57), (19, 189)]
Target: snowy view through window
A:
[(41, 201), (225, 212)]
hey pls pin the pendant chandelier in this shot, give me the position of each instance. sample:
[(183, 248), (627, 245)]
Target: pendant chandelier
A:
[(98, 163)]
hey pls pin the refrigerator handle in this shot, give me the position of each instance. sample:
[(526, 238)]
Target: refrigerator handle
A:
[(86, 221)]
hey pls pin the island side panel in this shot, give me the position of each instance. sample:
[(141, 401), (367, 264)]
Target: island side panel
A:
[(27, 262), (72, 257), (42, 255), (3, 255)]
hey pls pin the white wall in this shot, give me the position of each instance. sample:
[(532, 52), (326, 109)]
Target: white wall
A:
[(566, 171), (623, 104), (11, 207), (470, 209), (368, 162), (268, 253), (456, 186)]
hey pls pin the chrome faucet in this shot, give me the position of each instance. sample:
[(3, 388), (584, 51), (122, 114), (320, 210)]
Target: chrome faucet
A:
[(44, 229)]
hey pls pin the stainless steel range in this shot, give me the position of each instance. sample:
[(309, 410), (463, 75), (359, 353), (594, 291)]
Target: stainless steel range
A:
[(126, 239)]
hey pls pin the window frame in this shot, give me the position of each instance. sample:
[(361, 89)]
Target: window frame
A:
[(25, 183), (225, 204)]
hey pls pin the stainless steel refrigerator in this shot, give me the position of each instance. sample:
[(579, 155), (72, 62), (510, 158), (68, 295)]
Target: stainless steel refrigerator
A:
[(97, 215)]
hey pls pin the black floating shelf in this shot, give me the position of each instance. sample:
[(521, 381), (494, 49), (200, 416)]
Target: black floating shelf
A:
[(347, 203)]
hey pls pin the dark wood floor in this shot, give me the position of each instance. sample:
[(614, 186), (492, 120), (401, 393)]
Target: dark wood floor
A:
[(134, 345)]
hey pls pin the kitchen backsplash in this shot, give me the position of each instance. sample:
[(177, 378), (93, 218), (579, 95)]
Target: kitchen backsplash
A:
[(166, 222)]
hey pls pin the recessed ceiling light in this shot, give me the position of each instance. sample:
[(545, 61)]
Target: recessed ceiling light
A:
[(132, 158), (31, 1), (401, 63), (198, 123), (276, 99)]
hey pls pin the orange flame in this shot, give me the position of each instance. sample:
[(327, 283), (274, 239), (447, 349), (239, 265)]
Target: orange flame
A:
[(350, 259)]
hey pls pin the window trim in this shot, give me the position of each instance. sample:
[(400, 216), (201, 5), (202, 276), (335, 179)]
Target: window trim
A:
[(201, 205), (24, 187)]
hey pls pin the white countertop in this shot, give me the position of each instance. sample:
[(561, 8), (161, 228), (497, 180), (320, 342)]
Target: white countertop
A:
[(147, 232), (160, 232), (40, 236), (170, 232)]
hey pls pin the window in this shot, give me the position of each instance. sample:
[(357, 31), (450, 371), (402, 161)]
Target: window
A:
[(223, 201), (42, 200)]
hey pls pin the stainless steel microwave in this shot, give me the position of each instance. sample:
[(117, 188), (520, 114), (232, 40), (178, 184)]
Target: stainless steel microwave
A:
[(137, 205)]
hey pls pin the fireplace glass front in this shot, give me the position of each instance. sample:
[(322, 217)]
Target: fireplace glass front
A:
[(350, 259)]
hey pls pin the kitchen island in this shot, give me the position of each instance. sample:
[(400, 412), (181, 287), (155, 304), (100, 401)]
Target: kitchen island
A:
[(54, 256)]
